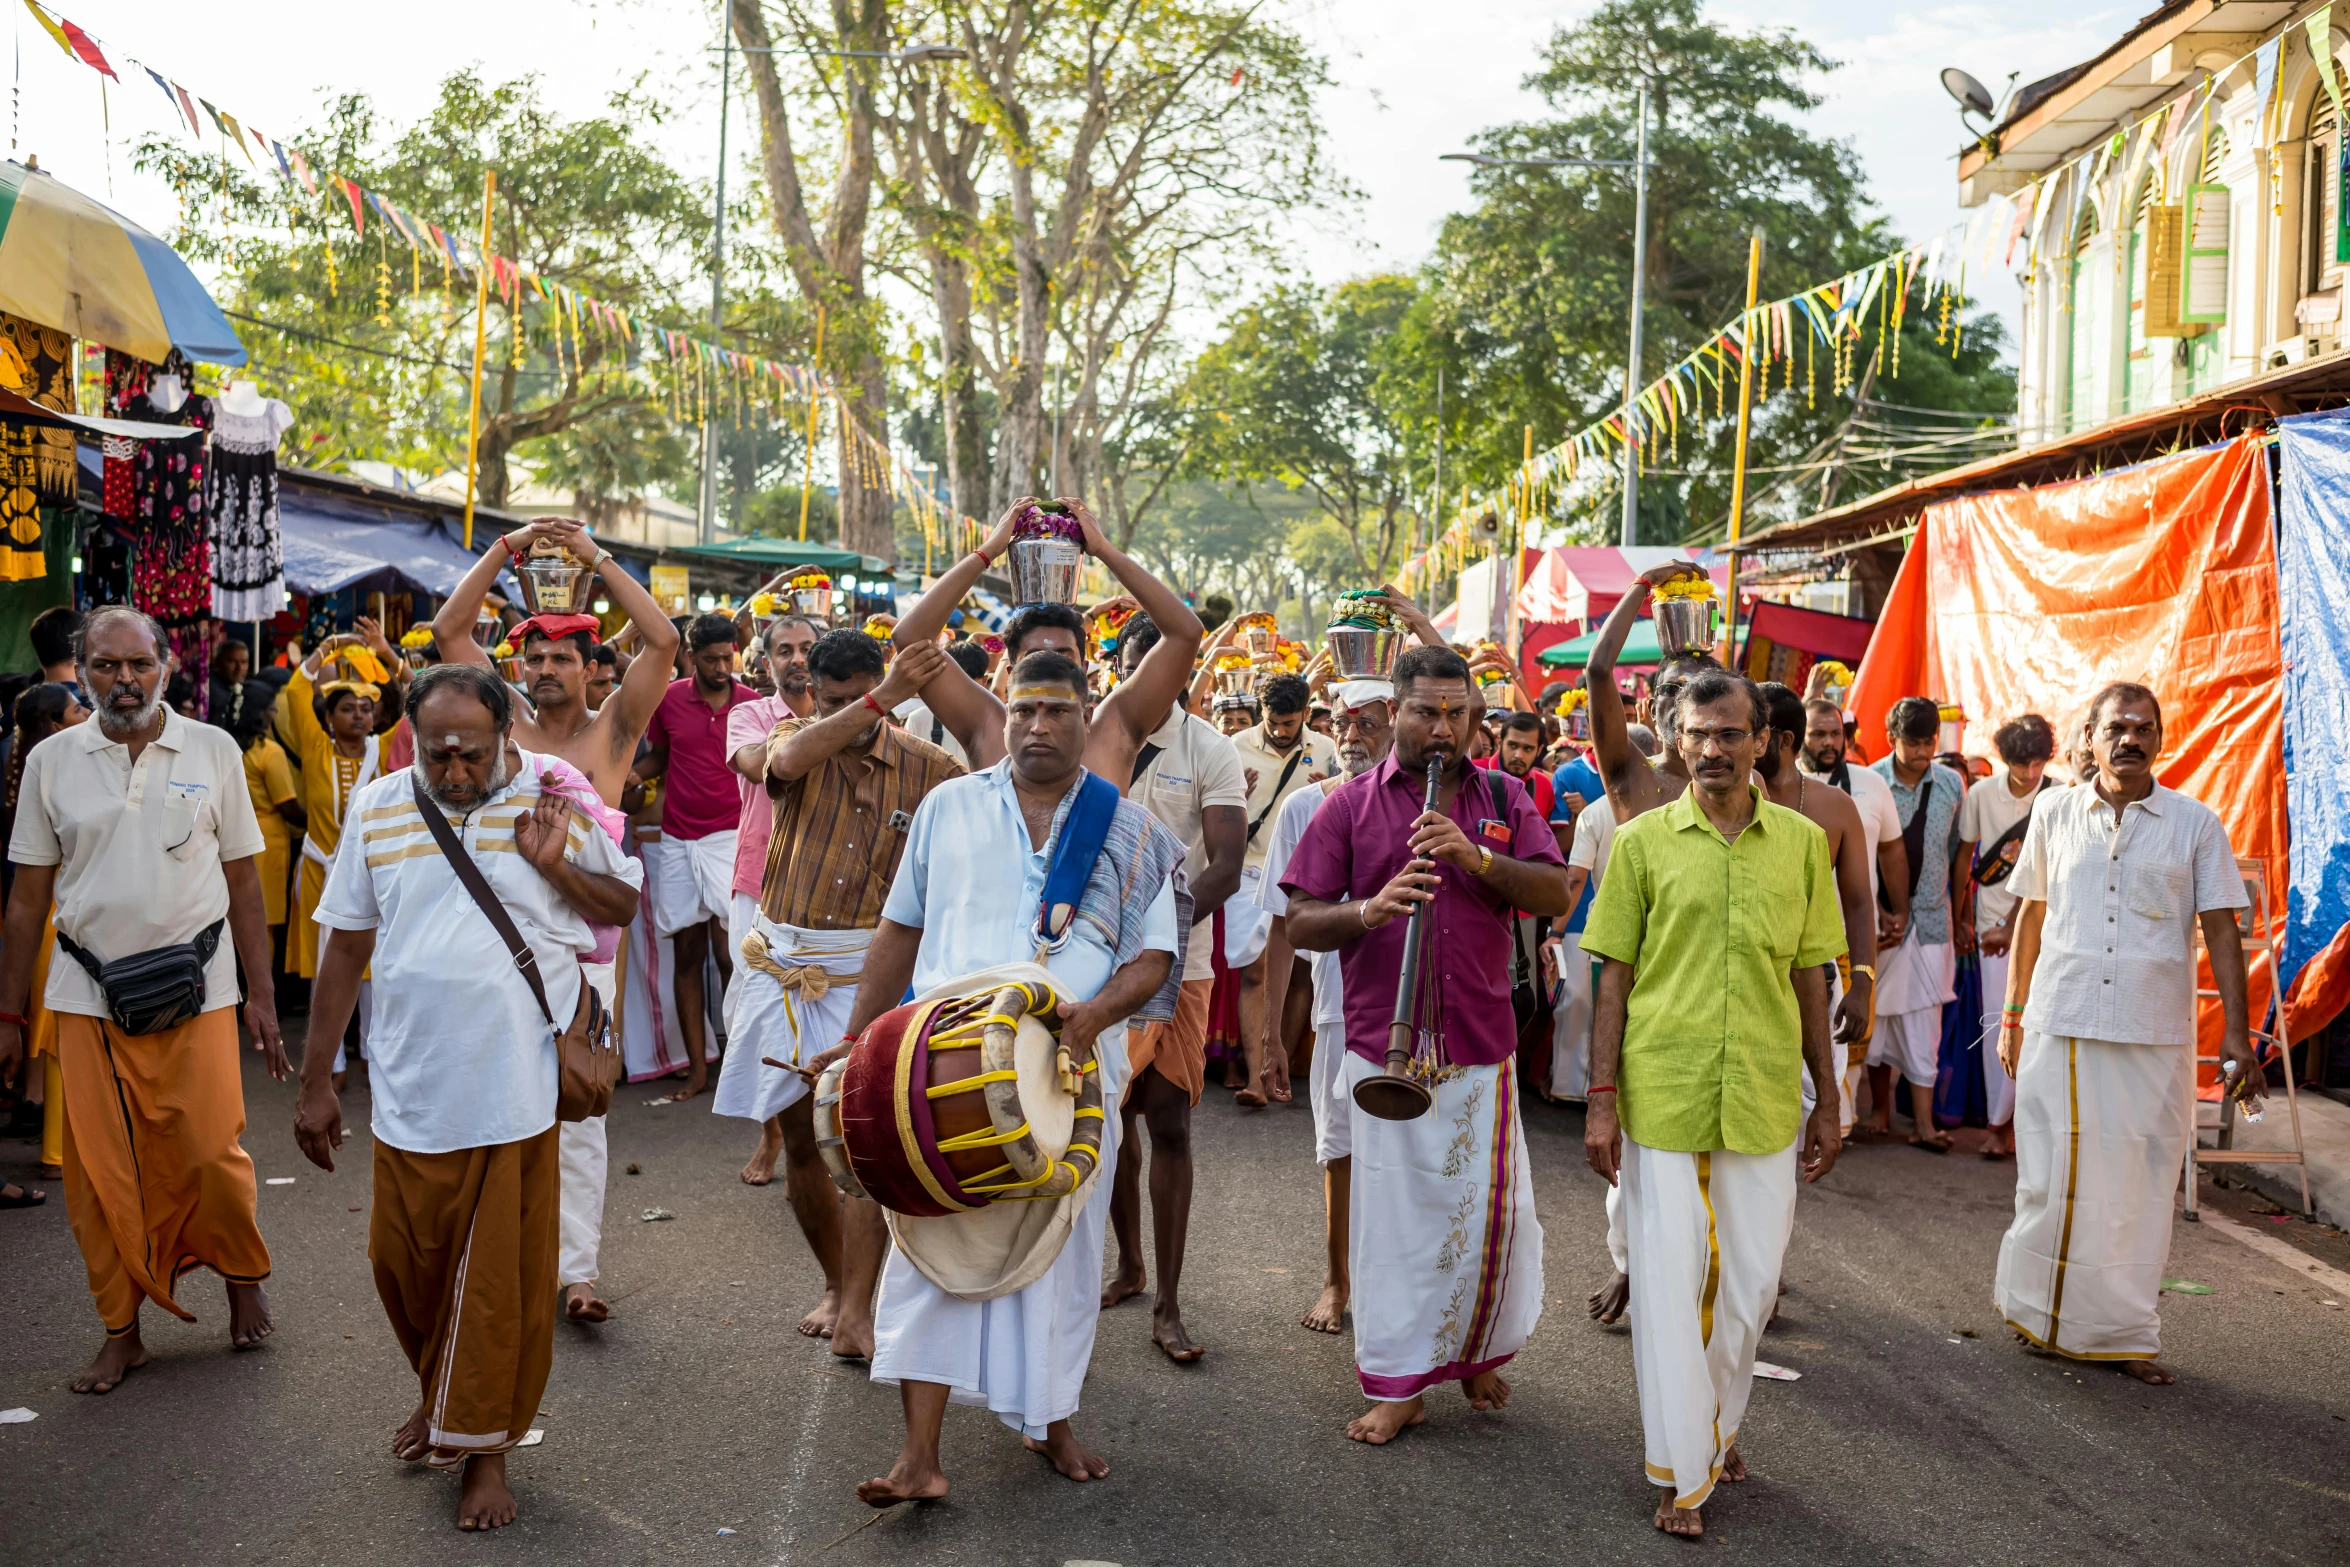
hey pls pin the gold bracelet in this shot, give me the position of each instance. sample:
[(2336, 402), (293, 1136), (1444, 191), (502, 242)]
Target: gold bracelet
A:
[(1870, 969), (1486, 863)]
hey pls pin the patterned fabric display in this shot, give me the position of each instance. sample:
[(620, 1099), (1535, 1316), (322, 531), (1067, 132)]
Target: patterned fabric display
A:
[(171, 576), (248, 559), (36, 465)]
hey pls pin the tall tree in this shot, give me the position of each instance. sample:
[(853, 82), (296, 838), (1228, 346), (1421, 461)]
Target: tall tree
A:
[(373, 346)]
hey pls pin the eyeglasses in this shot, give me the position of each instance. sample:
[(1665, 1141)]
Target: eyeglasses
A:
[(1725, 738)]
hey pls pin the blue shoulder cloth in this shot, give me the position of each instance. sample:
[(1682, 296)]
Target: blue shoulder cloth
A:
[(1084, 831)]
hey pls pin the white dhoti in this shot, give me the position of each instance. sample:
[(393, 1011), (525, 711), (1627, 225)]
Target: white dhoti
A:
[(582, 1160), (741, 909), (1706, 1234), (2101, 1135), (651, 1042), (1913, 982), (1022, 1355), (692, 878), (1616, 1250), (1333, 1110), (1570, 1023), (1247, 923), (1998, 1087), (1447, 1250), (1850, 1082), (794, 1017)]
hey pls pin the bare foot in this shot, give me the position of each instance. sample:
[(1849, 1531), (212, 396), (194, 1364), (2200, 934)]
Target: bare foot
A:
[(249, 1321), (1167, 1332), (414, 1439), (818, 1323), (1999, 1142), (2152, 1372), (485, 1502), (1329, 1313), (581, 1303), (1128, 1284), (117, 1358), (1069, 1455), (852, 1340), (761, 1169), (1486, 1390), (1682, 1521), (1607, 1302), (1382, 1423), (1250, 1099), (342, 1080), (907, 1482), (1733, 1466)]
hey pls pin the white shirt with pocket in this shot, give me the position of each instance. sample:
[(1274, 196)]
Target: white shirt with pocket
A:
[(2117, 950), (138, 847), (1991, 808), (460, 1055), (1195, 768)]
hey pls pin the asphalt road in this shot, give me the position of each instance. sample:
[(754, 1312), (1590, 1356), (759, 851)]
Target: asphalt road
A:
[(697, 1427)]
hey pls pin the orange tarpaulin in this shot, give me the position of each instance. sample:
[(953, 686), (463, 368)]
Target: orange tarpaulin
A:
[(2030, 600)]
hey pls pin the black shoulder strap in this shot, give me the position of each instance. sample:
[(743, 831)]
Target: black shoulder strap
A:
[(470, 875), (1142, 763), (1494, 793), (1279, 784)]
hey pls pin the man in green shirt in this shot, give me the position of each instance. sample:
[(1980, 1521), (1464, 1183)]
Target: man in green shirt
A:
[(1716, 915)]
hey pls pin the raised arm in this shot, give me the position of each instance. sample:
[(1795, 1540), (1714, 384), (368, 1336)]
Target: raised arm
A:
[(1205, 681), (647, 677), (452, 628), (1141, 702), (1860, 927), (970, 712), (1631, 782), (807, 747), (1415, 619)]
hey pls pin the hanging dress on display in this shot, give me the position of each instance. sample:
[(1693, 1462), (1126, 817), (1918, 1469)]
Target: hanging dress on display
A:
[(248, 557), (36, 465), (171, 575), (126, 378)]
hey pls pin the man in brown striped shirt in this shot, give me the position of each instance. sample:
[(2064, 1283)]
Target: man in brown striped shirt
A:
[(846, 784)]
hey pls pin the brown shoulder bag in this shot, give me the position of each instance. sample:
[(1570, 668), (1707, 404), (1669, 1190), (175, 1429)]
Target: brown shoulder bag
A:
[(587, 1062)]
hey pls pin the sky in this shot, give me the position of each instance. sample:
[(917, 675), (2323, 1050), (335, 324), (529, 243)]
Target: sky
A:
[(1412, 80)]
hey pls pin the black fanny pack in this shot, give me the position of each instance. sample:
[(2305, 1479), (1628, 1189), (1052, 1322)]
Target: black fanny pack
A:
[(151, 991)]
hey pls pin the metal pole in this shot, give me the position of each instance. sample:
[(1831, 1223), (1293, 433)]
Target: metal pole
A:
[(1632, 361), (709, 519), (1745, 415), (481, 317)]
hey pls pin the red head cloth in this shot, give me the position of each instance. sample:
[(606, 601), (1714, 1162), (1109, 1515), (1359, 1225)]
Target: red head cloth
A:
[(557, 626)]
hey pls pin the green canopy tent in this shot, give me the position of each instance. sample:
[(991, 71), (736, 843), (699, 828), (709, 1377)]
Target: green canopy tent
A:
[(775, 554)]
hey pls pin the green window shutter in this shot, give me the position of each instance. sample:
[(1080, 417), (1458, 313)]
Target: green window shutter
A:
[(2203, 291)]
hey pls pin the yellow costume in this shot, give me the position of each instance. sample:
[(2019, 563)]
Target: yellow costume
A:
[(328, 781), (269, 778)]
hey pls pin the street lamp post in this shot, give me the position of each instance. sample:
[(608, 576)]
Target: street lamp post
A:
[(1639, 165), (912, 54)]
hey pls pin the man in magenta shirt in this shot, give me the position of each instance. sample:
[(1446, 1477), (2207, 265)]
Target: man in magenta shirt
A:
[(1429, 1309), (690, 868)]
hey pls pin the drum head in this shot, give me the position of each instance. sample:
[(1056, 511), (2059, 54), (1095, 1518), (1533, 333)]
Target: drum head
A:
[(1052, 1114)]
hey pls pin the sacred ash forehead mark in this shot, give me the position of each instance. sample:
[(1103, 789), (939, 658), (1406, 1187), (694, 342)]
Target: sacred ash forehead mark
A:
[(452, 740)]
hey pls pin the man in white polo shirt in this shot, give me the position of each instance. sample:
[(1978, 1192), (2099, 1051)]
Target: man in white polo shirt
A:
[(2099, 1030), (1279, 758), (463, 1227), (138, 823)]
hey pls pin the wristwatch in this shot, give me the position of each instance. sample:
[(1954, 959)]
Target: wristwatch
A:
[(1485, 861)]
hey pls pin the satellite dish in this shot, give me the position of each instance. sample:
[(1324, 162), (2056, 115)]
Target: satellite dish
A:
[(1972, 95)]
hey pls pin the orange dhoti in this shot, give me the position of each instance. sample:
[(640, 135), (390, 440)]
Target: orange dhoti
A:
[(1179, 1049), (464, 1247), (155, 1181)]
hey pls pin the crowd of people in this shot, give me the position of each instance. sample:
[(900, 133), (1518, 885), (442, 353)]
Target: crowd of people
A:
[(1693, 910)]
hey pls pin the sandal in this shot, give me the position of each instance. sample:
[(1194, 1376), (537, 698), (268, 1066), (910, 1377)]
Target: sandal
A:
[(1939, 1143), (15, 1196)]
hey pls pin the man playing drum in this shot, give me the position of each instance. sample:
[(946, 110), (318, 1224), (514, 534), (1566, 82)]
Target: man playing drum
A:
[(1023, 1353)]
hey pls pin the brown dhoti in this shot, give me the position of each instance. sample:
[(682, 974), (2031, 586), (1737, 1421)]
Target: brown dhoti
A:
[(464, 1248), (155, 1180), (1178, 1049)]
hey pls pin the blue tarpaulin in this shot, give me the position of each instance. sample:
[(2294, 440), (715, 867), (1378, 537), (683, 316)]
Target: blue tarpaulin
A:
[(2313, 561), (335, 541)]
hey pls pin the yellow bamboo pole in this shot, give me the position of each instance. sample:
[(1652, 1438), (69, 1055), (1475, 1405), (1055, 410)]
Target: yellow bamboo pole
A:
[(1745, 416), (808, 466), (481, 317)]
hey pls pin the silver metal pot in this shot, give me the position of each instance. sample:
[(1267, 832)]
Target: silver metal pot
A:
[(1687, 625), (1359, 654), (1044, 571)]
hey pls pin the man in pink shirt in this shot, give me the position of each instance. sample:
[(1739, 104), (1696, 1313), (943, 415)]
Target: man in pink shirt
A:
[(690, 868), (747, 1086)]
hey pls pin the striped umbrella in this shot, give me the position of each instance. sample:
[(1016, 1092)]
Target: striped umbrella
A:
[(72, 265)]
